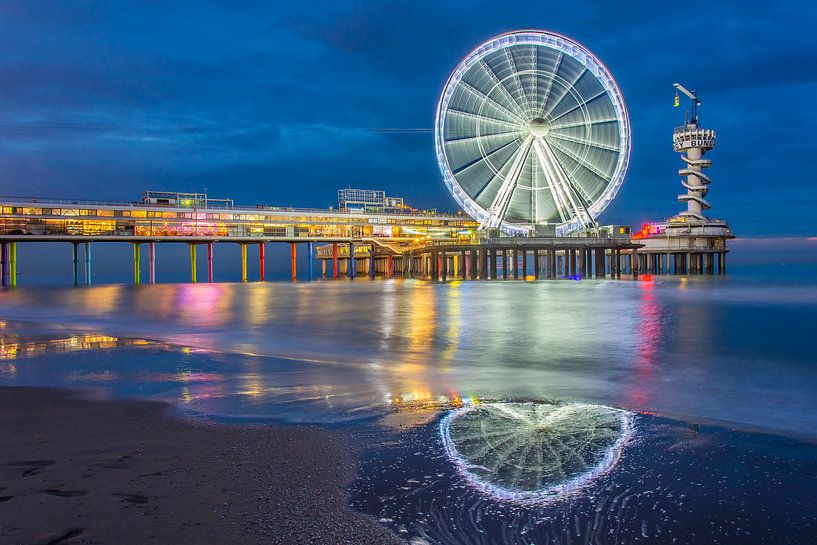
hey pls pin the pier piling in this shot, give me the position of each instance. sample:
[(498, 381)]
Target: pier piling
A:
[(261, 261), (88, 271), (244, 262), (193, 260), (75, 262), (152, 262), (137, 262), (310, 250)]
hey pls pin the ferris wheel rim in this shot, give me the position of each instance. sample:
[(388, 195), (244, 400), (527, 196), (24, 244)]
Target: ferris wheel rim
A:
[(590, 62)]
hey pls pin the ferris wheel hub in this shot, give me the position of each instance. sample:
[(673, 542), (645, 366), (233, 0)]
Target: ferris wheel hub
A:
[(538, 127)]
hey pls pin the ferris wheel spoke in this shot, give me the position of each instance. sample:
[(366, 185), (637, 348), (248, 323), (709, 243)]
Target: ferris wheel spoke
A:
[(535, 78), (569, 194), (583, 141), (583, 162), (518, 80), (553, 183), (479, 137), (483, 118), (549, 88), (565, 92), (481, 158), (582, 123), (499, 206), (501, 86), (468, 87), (581, 104)]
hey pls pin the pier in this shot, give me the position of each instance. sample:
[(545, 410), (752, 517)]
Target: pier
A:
[(199, 221)]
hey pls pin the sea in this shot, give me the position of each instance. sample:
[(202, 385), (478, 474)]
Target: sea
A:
[(662, 409)]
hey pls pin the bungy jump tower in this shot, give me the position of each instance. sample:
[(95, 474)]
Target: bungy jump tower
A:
[(691, 242)]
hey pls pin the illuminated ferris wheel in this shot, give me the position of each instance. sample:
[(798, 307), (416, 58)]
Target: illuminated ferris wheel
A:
[(532, 129)]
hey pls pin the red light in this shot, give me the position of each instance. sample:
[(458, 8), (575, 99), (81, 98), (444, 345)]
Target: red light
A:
[(647, 277)]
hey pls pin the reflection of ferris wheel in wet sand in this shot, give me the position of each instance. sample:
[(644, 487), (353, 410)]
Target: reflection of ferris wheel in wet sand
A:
[(532, 129)]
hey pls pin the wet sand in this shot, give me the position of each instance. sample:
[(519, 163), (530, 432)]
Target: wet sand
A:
[(77, 471)]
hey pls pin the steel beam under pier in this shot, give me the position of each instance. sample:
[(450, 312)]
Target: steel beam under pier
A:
[(88, 271), (244, 262), (75, 262), (193, 261), (310, 250), (293, 256), (4, 263), (209, 262), (334, 260), (350, 267), (137, 263), (152, 262), (261, 261)]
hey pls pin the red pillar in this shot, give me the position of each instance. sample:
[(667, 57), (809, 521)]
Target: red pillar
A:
[(294, 262), (390, 263), (209, 261), (261, 246), (334, 260)]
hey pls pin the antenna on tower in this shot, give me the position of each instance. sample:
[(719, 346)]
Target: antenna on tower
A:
[(693, 97)]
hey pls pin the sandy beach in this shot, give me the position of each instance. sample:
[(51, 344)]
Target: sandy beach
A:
[(76, 471)]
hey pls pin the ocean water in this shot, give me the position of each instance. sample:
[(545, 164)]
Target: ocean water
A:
[(717, 377)]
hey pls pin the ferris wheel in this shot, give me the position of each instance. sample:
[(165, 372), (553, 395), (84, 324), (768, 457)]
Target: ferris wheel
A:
[(532, 129)]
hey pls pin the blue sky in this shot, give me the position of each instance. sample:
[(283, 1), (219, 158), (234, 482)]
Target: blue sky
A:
[(275, 102)]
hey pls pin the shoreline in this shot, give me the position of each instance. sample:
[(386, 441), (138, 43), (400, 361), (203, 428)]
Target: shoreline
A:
[(77, 470)]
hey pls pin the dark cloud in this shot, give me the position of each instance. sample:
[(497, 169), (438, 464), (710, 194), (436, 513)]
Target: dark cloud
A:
[(277, 102)]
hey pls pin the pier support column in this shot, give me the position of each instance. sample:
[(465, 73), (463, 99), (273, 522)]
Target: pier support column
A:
[(192, 245), (293, 256), (209, 262), (351, 265), (152, 262), (75, 262), (444, 263), (243, 261), (310, 252), (390, 266), (4, 263), (463, 265), (371, 263), (505, 263), (493, 259), (536, 264), (88, 271), (334, 260), (472, 263), (262, 261), (137, 262), (12, 251), (323, 268), (524, 254)]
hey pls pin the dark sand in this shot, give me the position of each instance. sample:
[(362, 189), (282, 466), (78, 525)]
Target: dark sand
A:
[(77, 471)]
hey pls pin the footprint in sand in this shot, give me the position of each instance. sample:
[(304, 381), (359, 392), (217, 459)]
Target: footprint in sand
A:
[(132, 498), (63, 493)]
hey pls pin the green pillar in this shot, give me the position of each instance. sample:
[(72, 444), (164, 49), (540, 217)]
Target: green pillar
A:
[(12, 264), (137, 258), (193, 263)]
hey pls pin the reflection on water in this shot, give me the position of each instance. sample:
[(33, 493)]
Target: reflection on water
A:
[(679, 346), (534, 452), (14, 346)]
